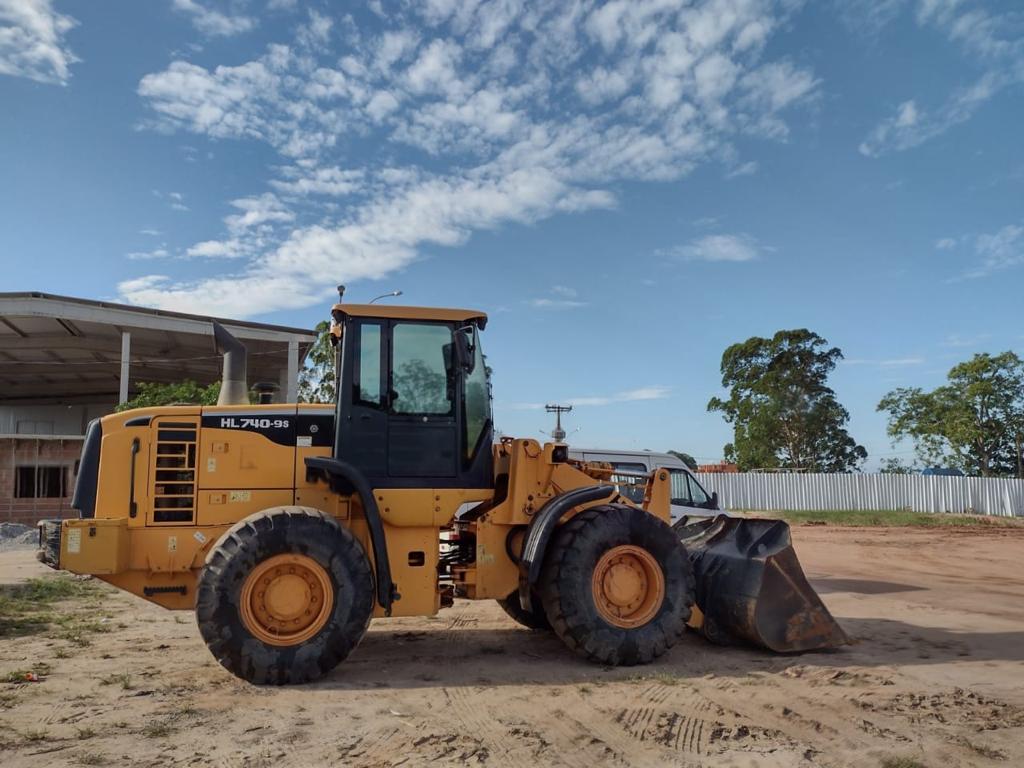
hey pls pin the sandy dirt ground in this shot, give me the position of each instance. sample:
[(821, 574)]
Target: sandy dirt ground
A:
[(936, 676)]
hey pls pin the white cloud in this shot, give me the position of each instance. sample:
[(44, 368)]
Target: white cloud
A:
[(746, 169), (945, 243), (493, 93), (561, 297), (156, 253), (212, 22), (968, 340), (545, 302), (735, 248), (32, 41), (987, 38), (217, 249), (150, 232), (257, 212), (998, 251), (331, 180), (653, 392)]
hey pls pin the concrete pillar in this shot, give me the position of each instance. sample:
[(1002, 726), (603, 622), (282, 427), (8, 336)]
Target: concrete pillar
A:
[(126, 355), (292, 393)]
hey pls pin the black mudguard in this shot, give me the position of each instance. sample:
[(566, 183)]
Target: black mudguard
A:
[(751, 588)]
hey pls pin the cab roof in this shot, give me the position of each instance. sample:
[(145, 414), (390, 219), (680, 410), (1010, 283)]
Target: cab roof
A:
[(394, 312)]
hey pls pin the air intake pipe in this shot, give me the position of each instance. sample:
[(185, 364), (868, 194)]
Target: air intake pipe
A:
[(234, 387)]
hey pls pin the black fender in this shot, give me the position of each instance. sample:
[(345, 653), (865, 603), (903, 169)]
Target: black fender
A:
[(345, 478), (538, 535)]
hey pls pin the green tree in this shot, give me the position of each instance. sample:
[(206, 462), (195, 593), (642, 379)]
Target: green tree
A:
[(316, 379), (975, 422), (686, 458), (185, 392), (782, 411), (894, 466)]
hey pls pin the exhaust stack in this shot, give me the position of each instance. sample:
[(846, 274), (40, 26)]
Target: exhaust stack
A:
[(234, 387)]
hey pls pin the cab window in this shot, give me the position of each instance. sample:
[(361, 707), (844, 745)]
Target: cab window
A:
[(680, 487), (697, 494), (419, 377), (367, 376), (478, 399)]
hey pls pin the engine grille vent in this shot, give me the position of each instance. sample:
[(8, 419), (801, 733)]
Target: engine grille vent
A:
[(174, 473)]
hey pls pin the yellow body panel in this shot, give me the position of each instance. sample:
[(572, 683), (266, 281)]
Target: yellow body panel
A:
[(95, 546), (236, 472), (436, 507)]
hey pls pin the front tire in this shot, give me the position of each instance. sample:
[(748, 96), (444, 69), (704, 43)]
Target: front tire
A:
[(285, 596), (617, 585), (534, 619)]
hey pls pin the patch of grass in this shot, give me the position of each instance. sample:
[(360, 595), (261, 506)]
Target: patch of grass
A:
[(27, 609), (901, 762), (157, 730), (123, 679), (18, 675), (35, 735), (91, 758), (889, 519), (85, 733), (983, 750)]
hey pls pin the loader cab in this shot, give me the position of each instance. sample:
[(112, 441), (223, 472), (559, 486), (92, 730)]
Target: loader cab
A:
[(414, 404)]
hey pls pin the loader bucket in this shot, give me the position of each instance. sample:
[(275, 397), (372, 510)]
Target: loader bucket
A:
[(751, 588)]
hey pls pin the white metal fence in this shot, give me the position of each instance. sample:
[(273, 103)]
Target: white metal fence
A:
[(918, 493)]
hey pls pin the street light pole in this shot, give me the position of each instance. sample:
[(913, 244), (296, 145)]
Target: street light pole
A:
[(386, 295)]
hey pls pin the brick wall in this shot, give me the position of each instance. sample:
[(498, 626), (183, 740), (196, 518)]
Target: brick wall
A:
[(36, 452)]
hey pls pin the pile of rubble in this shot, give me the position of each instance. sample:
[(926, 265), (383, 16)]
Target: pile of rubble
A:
[(17, 536)]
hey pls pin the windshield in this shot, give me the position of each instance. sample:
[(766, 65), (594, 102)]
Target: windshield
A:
[(686, 491)]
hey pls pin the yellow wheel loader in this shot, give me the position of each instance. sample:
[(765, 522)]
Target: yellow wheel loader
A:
[(287, 528)]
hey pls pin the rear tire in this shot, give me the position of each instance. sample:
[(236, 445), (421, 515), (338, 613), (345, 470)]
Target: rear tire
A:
[(617, 585), (534, 619), (285, 596)]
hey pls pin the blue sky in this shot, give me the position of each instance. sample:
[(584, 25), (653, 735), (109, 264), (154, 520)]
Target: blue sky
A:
[(627, 187)]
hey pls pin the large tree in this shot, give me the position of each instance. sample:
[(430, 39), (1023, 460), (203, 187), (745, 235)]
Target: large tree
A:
[(975, 422), (784, 414), (316, 379), (185, 392), (686, 458)]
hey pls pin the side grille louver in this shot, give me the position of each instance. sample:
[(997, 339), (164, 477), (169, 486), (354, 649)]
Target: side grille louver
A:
[(174, 473)]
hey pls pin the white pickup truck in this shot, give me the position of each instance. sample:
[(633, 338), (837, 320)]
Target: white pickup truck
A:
[(688, 497)]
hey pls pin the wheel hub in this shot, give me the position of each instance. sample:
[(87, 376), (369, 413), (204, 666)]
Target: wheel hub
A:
[(286, 599), (628, 586)]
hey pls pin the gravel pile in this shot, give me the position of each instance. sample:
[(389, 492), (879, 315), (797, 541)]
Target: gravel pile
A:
[(17, 536)]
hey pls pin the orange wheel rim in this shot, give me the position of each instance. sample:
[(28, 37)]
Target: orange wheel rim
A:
[(286, 599), (628, 586)]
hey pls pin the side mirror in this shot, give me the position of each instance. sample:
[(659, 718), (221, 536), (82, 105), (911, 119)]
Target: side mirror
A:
[(714, 500), (464, 350)]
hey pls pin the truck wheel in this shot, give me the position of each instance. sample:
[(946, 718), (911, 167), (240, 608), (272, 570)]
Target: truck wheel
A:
[(534, 619), (617, 585), (285, 596)]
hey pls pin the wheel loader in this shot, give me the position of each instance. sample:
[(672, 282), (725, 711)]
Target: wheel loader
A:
[(286, 528)]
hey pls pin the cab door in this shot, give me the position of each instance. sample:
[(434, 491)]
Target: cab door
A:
[(423, 436), (399, 403), (362, 431)]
